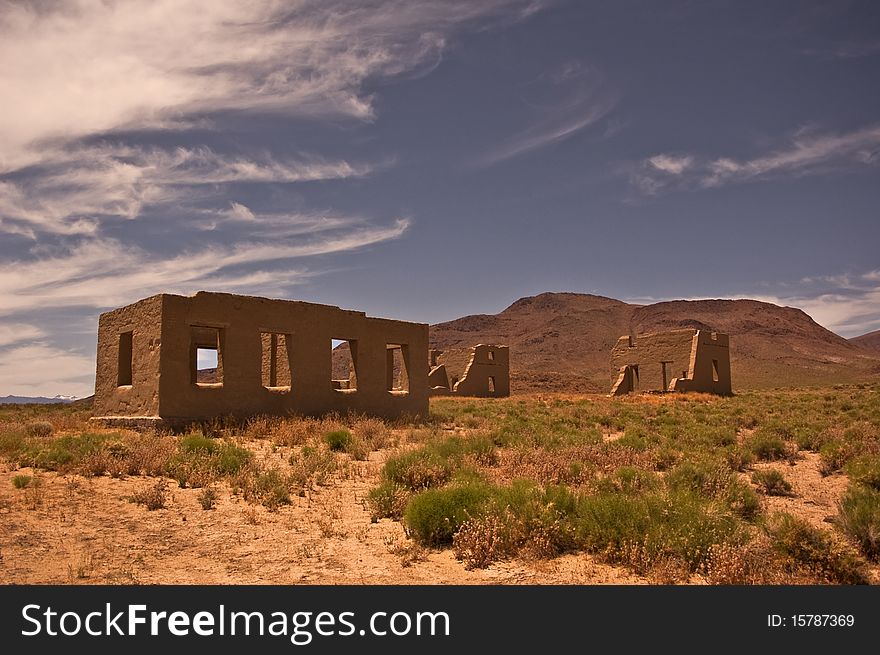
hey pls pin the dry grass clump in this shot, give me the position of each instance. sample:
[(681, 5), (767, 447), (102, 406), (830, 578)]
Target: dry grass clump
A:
[(408, 551), (293, 431), (805, 549), (388, 500), (207, 497), (356, 435), (847, 442), (859, 518), (269, 487), (772, 482), (40, 429), (753, 563), (152, 497), (374, 432), (21, 481), (311, 465), (34, 494), (481, 541)]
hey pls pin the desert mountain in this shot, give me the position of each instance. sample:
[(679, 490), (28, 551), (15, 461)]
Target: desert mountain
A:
[(870, 341), (563, 341), (35, 400)]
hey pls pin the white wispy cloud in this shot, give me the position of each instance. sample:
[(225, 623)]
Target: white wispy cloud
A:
[(106, 273), (78, 188), (807, 153), (11, 333), (86, 67), (274, 225), (572, 98), (670, 163)]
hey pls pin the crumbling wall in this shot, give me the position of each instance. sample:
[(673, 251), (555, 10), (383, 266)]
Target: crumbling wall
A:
[(127, 362), (650, 355), (274, 357), (677, 360), (710, 365), (626, 381), (486, 375)]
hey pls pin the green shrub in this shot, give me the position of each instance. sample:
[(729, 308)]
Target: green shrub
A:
[(540, 520), (12, 443), (709, 477), (767, 446), (834, 456), (65, 452), (635, 437), (200, 460), (198, 444), (338, 440), (629, 480), (739, 458), (865, 470), (859, 439), (418, 469), (434, 516), (772, 482), (859, 517), (387, 501), (21, 481), (810, 438), (812, 549), (681, 525), (229, 458), (270, 488), (433, 464), (743, 500)]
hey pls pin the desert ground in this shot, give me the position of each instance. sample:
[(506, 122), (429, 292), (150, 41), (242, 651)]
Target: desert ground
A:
[(766, 487)]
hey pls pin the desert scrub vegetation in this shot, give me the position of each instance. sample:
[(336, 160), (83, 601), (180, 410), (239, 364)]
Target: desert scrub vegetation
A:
[(192, 460), (40, 429), (805, 549), (859, 512), (487, 522), (354, 434), (652, 482), (200, 460), (207, 498), (21, 481), (772, 482), (152, 497), (338, 439)]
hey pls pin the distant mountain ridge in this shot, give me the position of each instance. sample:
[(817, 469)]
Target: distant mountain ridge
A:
[(35, 400), (563, 341), (869, 341)]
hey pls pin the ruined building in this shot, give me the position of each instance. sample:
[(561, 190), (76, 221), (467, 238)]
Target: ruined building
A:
[(173, 359), (487, 374), (678, 360)]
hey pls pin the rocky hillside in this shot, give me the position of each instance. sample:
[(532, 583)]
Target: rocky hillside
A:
[(870, 341), (563, 341)]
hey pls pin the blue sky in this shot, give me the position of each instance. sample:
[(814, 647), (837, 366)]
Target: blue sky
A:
[(426, 160)]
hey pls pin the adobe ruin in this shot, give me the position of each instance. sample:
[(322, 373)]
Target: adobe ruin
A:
[(677, 360), (486, 375), (173, 360)]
